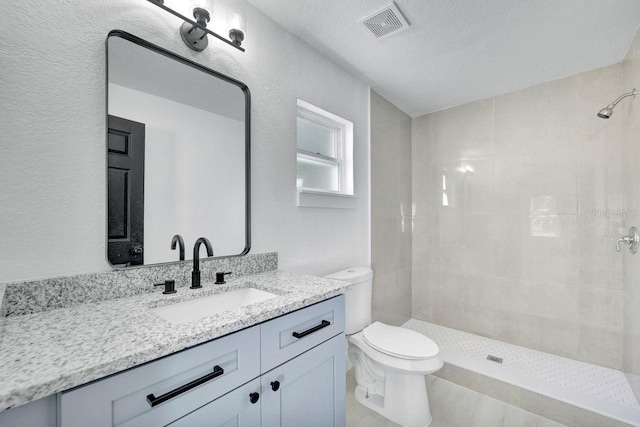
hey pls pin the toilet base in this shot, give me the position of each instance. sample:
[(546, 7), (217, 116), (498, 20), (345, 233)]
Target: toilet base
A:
[(407, 409), (394, 387)]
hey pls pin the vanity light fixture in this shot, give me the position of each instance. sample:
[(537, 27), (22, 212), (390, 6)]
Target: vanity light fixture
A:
[(195, 33)]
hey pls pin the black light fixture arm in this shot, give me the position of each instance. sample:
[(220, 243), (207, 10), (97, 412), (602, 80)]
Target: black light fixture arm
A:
[(202, 26)]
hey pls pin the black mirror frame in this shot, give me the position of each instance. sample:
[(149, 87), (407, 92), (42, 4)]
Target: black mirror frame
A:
[(247, 126)]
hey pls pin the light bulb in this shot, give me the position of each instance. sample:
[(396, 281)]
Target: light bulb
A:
[(236, 23)]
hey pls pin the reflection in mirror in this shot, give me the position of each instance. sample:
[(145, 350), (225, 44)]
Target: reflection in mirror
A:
[(177, 156)]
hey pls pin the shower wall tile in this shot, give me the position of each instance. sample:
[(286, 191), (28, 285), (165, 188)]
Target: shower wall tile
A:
[(517, 206), (597, 344), (385, 180), (509, 245), (601, 322), (424, 230), (479, 245), (392, 297), (421, 132), (600, 264), (601, 148), (540, 315), (540, 247), (423, 284), (461, 316), (391, 211), (629, 113), (450, 255), (550, 248), (540, 119), (464, 132), (537, 184), (387, 242), (469, 186), (632, 339), (541, 333)]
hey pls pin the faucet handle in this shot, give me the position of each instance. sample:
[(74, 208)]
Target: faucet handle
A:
[(220, 277), (633, 240), (169, 286)]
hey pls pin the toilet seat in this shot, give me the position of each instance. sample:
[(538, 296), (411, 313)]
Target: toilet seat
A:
[(394, 363), (399, 342)]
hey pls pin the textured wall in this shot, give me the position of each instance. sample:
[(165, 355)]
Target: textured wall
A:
[(390, 211), (630, 115), (52, 110), (525, 250)]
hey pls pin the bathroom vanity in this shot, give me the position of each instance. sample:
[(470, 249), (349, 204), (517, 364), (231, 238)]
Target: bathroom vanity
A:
[(275, 369), (275, 362)]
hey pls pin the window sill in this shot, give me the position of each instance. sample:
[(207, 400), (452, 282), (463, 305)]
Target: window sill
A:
[(322, 199)]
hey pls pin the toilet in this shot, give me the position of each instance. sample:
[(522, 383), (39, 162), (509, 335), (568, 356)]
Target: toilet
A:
[(390, 362)]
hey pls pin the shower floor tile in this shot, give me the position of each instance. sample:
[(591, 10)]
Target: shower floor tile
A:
[(595, 388)]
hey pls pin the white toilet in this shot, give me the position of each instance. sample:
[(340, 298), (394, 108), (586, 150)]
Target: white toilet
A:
[(390, 362)]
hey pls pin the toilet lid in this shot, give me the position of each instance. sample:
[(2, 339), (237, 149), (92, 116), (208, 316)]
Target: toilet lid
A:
[(400, 342)]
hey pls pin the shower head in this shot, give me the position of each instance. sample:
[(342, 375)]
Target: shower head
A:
[(607, 111)]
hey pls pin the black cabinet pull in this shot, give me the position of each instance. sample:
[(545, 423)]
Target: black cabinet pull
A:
[(254, 397), (153, 401), (275, 385), (324, 324)]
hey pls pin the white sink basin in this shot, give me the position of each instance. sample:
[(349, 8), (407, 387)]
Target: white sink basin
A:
[(188, 311)]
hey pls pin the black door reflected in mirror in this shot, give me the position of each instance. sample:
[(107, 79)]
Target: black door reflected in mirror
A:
[(178, 155)]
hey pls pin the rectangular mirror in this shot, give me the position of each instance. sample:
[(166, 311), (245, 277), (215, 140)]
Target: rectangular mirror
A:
[(178, 156)]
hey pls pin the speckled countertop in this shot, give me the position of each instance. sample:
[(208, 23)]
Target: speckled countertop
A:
[(48, 352)]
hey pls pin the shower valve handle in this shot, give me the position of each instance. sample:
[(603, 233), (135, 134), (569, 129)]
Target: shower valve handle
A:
[(633, 240)]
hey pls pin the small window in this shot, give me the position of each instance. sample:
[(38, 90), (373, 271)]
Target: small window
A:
[(325, 151)]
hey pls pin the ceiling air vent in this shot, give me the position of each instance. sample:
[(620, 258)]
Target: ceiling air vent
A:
[(385, 22)]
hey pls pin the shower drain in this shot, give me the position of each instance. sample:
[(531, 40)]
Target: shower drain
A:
[(494, 359)]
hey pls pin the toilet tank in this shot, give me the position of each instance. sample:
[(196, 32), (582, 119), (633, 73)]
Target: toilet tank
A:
[(357, 299)]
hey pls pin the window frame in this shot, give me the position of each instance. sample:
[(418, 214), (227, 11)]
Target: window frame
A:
[(343, 131)]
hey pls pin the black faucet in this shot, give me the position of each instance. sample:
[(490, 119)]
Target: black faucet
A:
[(178, 239), (195, 274)]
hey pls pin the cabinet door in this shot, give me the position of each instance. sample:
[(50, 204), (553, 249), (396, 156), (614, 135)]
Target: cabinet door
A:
[(308, 390), (231, 410)]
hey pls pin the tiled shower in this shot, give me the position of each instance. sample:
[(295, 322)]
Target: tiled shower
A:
[(516, 205)]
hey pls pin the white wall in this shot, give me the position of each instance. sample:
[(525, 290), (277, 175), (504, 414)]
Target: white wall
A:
[(52, 131), (190, 188)]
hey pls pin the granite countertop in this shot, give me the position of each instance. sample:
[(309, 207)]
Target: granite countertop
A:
[(51, 351)]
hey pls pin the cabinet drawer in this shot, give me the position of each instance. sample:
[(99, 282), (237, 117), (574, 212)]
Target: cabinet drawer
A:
[(179, 383), (286, 337)]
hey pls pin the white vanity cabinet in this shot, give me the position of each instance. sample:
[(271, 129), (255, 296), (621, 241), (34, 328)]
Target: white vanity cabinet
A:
[(289, 371)]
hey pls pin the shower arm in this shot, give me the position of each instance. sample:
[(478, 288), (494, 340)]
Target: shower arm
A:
[(633, 93)]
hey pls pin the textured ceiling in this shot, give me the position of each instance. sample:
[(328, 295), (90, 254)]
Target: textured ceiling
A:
[(457, 51)]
